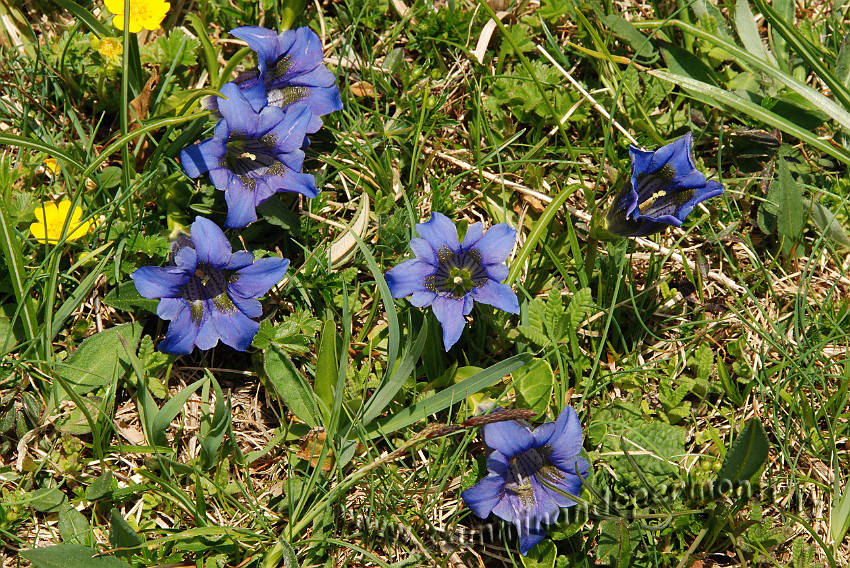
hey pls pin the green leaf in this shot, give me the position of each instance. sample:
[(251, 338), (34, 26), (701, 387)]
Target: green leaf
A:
[(290, 387), (748, 31), (125, 297), (842, 62), (101, 487), (121, 534), (84, 16), (725, 98), (70, 556), (100, 360), (327, 368), (10, 333), (46, 499), (449, 396), (839, 512), (825, 220), (210, 56), (177, 47), (74, 528), (541, 556), (790, 219), (627, 31), (534, 385), (170, 410), (745, 456)]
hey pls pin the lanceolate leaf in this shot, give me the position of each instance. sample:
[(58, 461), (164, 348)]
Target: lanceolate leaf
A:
[(745, 456)]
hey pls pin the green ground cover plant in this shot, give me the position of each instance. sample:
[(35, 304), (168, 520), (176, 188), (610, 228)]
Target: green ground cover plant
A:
[(424, 283)]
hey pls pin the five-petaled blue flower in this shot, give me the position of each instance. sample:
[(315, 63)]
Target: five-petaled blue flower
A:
[(529, 474), (664, 187), (449, 275), (252, 155), (289, 70), (209, 292)]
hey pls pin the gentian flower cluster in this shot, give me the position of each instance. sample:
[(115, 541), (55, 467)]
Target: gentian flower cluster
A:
[(531, 474), (663, 189), (451, 276), (209, 293), (256, 148)]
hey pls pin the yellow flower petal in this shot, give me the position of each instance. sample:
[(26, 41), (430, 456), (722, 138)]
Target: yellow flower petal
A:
[(38, 232), (80, 231), (115, 6)]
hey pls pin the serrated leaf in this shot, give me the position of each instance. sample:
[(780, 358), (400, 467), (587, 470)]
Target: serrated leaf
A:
[(176, 46), (580, 308), (745, 456), (70, 556)]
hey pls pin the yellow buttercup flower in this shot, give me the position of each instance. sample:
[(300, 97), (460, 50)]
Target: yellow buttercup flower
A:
[(50, 219), (144, 14), (110, 49), (52, 165)]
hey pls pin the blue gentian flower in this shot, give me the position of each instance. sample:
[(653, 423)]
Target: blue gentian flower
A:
[(208, 292), (252, 155), (289, 70), (528, 473), (664, 187), (449, 275)]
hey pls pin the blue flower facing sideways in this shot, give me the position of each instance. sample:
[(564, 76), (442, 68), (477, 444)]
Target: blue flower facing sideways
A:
[(209, 293), (663, 189), (289, 70), (529, 474), (252, 155), (450, 276)]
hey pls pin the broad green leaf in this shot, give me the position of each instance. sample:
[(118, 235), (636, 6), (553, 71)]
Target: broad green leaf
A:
[(100, 360), (10, 333), (790, 219), (290, 387), (842, 62), (839, 512), (745, 456), (826, 221), (541, 556), (636, 40), (70, 556), (121, 534), (46, 499), (170, 410), (327, 367), (533, 385), (101, 487), (449, 396), (748, 31), (74, 528), (125, 297)]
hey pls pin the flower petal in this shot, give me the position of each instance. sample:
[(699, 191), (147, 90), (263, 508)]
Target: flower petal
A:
[(500, 296), (159, 281), (208, 335), (497, 272), (241, 208), (170, 308), (473, 233), (484, 495), (422, 299), (564, 440), (251, 307), (182, 331), (289, 132), (235, 328), (440, 232), (241, 117), (508, 437), (200, 158), (408, 277), (262, 40), (449, 312), (211, 245), (496, 244), (423, 251), (240, 259), (255, 280)]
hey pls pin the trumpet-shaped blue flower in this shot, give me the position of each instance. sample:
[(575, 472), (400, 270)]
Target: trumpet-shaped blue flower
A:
[(289, 70), (663, 189), (252, 155), (450, 276), (529, 472), (208, 292)]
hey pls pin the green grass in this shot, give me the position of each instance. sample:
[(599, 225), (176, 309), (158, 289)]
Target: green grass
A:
[(669, 347)]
